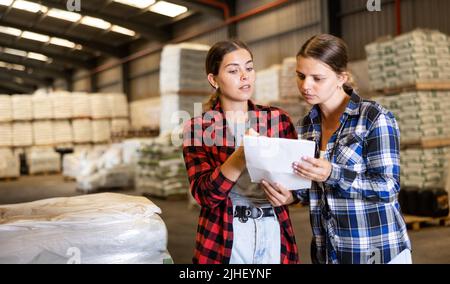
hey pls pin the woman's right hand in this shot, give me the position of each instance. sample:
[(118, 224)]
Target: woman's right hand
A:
[(277, 194)]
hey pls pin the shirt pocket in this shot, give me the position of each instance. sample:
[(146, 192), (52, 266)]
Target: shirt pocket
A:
[(349, 150)]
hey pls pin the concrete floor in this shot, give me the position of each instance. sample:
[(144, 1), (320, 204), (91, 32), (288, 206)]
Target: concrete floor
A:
[(430, 244)]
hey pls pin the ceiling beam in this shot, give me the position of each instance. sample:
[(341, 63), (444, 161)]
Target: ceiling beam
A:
[(103, 48), (59, 57), (36, 67), (149, 31), (32, 79), (30, 62), (16, 87), (21, 81)]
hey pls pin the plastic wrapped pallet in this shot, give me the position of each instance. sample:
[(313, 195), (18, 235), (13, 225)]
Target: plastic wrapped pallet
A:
[(81, 105), (104, 171), (22, 134), (82, 130), (6, 135), (43, 132), (62, 105), (267, 86), (100, 130), (146, 113), (62, 132), (42, 106), (120, 125), (175, 107), (5, 108), (161, 170), (182, 68), (100, 107), (22, 107), (9, 164), (43, 160), (102, 228), (118, 105), (130, 149)]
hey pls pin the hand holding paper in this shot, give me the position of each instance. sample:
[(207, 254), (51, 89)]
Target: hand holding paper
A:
[(271, 159)]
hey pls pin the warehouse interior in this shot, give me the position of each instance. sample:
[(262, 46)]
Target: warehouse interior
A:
[(90, 96)]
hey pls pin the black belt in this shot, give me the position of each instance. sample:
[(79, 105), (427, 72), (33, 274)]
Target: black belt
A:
[(245, 212)]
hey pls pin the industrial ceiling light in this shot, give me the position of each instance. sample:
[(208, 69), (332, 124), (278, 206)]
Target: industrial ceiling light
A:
[(12, 66), (168, 9), (95, 22), (10, 31), (62, 42), (15, 52), (6, 2), (122, 30), (37, 56), (35, 36), (64, 15), (29, 6), (141, 4)]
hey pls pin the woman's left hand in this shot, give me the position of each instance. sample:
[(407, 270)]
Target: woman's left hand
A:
[(313, 169)]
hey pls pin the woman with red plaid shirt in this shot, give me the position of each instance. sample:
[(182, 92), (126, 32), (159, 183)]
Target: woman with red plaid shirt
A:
[(237, 223)]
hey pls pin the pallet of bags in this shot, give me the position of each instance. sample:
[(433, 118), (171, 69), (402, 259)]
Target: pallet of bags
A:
[(104, 228), (22, 107), (9, 164), (62, 132), (120, 125), (82, 130), (100, 130), (145, 113), (62, 105), (81, 105), (288, 79), (161, 171), (176, 108), (107, 171), (22, 134), (43, 160), (100, 107), (181, 68), (118, 104), (267, 86), (42, 106), (6, 135), (43, 132), (6, 114)]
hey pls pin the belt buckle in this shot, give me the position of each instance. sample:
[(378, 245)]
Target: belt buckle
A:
[(260, 215)]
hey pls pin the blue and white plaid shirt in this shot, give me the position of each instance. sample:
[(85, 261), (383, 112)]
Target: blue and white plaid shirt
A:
[(355, 214)]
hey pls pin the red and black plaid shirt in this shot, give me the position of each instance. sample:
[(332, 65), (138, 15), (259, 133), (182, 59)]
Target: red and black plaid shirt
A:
[(211, 188)]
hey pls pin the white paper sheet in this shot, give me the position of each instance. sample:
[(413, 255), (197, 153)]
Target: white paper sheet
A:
[(271, 159)]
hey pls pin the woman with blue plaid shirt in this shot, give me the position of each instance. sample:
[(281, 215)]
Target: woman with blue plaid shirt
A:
[(354, 209)]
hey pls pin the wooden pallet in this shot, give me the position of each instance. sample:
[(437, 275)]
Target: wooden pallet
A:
[(69, 179), (51, 173), (416, 222), (426, 143), (8, 179), (418, 86)]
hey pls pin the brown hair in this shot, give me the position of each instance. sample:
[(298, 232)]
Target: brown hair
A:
[(330, 50), (215, 57)]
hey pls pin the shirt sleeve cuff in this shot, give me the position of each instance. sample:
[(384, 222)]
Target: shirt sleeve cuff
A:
[(335, 175), (221, 182)]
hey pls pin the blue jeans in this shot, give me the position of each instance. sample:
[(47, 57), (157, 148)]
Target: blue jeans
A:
[(257, 241)]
